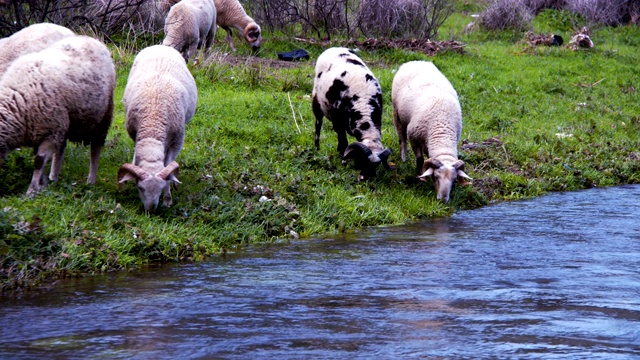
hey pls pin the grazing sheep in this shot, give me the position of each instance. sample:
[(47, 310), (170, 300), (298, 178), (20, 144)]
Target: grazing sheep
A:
[(232, 14), (426, 108), (347, 93), (159, 99), (62, 92), (189, 26), (28, 40)]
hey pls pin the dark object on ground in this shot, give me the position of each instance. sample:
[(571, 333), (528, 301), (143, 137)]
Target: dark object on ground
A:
[(295, 55), (544, 39)]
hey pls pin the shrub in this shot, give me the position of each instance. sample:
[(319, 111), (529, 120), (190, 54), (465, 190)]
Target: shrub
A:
[(403, 18), (538, 5), (605, 12), (102, 17), (507, 14), (379, 18)]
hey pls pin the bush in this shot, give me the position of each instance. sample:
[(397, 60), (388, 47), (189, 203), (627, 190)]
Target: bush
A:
[(604, 12), (402, 18), (507, 14), (371, 18), (106, 18), (538, 5)]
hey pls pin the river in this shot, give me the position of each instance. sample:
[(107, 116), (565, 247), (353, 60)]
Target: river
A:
[(552, 277)]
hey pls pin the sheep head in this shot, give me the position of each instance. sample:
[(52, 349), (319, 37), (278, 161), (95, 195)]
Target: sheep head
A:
[(365, 160), (443, 176), (253, 35), (150, 186)]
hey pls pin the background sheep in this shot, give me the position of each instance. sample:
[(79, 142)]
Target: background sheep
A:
[(30, 39), (347, 93), (62, 92), (159, 99), (189, 26), (426, 108), (232, 14)]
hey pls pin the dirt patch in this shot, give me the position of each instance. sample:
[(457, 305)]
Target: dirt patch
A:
[(424, 46), (251, 61)]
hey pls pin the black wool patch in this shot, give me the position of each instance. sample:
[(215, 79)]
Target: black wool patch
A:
[(369, 77), (319, 74), (376, 109), (364, 126), (344, 73), (335, 91), (355, 62)]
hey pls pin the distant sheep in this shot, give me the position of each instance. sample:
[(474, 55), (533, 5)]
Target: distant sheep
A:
[(232, 14), (426, 108), (159, 99), (189, 26), (347, 93), (62, 92), (28, 40)]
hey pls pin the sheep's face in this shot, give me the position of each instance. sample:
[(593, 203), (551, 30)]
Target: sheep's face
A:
[(444, 176), (149, 190), (150, 186)]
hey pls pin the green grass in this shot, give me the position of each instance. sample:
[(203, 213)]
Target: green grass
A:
[(243, 144)]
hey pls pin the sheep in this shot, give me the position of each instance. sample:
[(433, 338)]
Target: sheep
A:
[(232, 14), (62, 92), (159, 99), (30, 39), (426, 108), (346, 92), (189, 26)]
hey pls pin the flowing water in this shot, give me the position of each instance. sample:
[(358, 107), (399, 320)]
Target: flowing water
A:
[(553, 277)]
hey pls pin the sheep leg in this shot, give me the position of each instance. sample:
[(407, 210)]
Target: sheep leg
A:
[(39, 179), (172, 154), (401, 130), (209, 40), (93, 163), (166, 198), (342, 143), (56, 163), (317, 112), (417, 150), (229, 37)]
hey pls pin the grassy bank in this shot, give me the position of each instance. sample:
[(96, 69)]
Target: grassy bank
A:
[(535, 120)]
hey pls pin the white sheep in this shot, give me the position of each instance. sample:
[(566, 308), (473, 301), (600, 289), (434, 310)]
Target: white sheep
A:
[(232, 14), (159, 99), (62, 92), (189, 26), (347, 93), (28, 40), (427, 109)]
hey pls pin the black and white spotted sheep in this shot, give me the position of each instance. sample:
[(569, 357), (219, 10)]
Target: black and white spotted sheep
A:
[(347, 93)]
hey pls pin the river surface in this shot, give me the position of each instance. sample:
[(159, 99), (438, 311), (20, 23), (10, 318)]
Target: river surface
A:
[(553, 277)]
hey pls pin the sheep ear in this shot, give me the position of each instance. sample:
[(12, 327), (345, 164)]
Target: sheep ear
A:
[(463, 175), (169, 172), (426, 174)]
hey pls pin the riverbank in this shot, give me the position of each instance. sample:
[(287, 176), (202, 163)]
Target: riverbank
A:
[(535, 120)]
